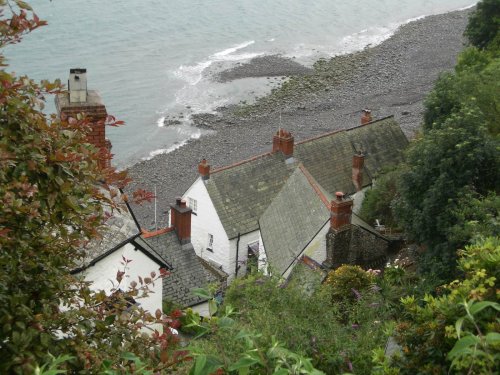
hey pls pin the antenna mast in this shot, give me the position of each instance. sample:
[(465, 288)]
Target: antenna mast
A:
[(156, 228)]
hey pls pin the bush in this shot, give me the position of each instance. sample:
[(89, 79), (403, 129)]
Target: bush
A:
[(457, 331)]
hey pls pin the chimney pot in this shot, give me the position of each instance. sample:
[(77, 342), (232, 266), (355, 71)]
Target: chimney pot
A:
[(283, 141), (78, 100), (181, 220), (358, 161), (204, 169), (341, 211), (366, 116)]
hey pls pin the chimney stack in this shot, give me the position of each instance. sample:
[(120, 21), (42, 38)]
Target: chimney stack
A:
[(181, 220), (204, 169), (366, 116), (341, 211), (358, 161), (78, 100), (283, 141)]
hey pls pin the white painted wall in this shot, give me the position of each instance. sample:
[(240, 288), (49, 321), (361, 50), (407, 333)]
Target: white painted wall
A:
[(245, 240), (316, 249), (207, 221), (103, 274), (201, 309), (262, 262), (358, 198)]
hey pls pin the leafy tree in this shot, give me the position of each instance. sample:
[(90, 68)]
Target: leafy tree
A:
[(377, 203), (52, 194), (484, 23), (444, 162)]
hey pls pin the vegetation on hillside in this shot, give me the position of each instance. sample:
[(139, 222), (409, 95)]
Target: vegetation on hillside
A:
[(52, 195)]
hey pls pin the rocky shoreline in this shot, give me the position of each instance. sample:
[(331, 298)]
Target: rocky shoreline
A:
[(392, 78)]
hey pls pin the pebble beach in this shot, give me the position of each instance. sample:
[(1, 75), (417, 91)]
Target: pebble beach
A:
[(392, 78)]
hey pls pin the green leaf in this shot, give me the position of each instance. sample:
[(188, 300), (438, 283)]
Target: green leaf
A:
[(458, 326), (205, 365), (23, 5), (212, 307), (493, 338), (200, 292), (244, 362), (462, 345), (199, 365), (129, 356), (479, 306), (225, 322), (110, 319)]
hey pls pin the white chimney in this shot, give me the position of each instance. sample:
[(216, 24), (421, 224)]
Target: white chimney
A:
[(77, 85)]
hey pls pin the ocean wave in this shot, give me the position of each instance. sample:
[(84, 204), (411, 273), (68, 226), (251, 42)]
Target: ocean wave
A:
[(193, 74), (174, 147)]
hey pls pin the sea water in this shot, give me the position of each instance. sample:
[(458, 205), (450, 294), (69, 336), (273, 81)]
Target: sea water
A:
[(151, 59)]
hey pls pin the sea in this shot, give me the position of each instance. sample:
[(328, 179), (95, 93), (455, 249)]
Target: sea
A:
[(152, 60)]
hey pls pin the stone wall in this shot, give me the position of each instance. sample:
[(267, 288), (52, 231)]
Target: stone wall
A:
[(357, 246)]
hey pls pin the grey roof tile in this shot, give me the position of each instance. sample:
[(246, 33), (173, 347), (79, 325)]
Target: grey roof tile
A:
[(242, 192), (292, 219), (187, 271)]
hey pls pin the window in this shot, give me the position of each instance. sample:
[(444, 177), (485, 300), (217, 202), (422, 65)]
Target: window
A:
[(210, 242), (193, 204)]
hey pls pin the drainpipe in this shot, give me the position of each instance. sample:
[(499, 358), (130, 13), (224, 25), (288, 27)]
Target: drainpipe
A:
[(237, 254)]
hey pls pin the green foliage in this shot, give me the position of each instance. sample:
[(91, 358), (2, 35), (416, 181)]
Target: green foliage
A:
[(338, 337), (241, 351), (457, 157), (347, 282), (473, 83), (458, 330), (484, 23), (52, 198), (377, 203)]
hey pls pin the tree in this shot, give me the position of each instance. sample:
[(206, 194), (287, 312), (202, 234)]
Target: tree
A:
[(52, 194), (484, 23), (459, 155)]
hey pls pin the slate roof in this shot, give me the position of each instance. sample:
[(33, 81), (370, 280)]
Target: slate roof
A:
[(292, 220), (187, 271), (242, 192), (121, 228), (329, 157), (382, 141)]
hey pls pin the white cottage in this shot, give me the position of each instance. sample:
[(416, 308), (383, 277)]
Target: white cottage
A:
[(228, 202), (104, 258)]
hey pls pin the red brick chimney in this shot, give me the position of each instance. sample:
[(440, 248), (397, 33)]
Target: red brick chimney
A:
[(283, 141), (204, 169), (358, 161), (366, 116), (341, 210), (80, 101), (181, 220)]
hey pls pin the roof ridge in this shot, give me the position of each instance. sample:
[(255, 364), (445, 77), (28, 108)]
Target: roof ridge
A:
[(314, 185), (220, 169), (148, 234), (368, 123), (320, 136)]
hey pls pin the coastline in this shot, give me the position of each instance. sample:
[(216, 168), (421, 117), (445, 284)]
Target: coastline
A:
[(391, 78)]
